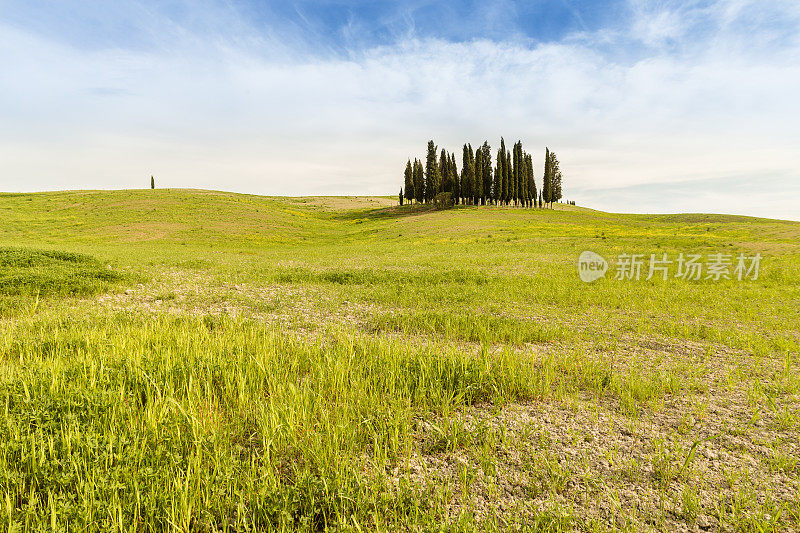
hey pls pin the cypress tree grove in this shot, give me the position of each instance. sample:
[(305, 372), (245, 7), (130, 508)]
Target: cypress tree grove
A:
[(510, 180), (408, 184)]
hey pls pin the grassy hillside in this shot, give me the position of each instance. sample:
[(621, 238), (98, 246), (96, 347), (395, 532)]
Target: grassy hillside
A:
[(200, 360)]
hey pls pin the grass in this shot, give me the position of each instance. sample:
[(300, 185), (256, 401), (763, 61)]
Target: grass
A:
[(198, 361)]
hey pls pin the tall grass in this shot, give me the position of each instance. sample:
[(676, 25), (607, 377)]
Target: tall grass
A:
[(118, 422)]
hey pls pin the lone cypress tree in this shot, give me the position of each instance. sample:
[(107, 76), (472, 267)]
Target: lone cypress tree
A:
[(401, 196), (152, 182), (408, 183)]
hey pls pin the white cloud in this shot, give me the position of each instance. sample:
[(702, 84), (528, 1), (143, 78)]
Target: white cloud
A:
[(253, 114)]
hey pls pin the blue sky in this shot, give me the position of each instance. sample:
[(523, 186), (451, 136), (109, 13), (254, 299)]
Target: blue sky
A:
[(652, 106)]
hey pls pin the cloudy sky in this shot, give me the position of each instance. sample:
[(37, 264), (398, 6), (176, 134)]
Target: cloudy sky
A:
[(651, 106)]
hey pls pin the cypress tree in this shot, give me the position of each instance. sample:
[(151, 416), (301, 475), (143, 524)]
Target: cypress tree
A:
[(555, 180), (509, 178), (473, 179), (458, 187), (419, 181), (478, 176), (454, 179), (432, 175), (515, 173), (523, 177), (408, 183), (531, 181), (501, 167), (546, 177), (497, 184), (453, 167), (401, 196), (487, 172), (468, 174), (444, 169), (152, 182), (465, 168)]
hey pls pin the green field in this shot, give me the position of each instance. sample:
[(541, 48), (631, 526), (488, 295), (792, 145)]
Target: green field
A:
[(205, 361)]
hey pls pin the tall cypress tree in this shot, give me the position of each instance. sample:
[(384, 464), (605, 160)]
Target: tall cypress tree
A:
[(546, 177), (479, 176), (466, 169), (531, 181), (408, 183), (555, 180), (523, 179), (497, 188), (503, 168), (432, 175), (487, 172), (509, 177), (473, 179), (458, 189), (444, 169), (454, 179), (419, 181), (515, 173)]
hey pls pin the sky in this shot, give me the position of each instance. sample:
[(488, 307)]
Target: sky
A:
[(651, 106)]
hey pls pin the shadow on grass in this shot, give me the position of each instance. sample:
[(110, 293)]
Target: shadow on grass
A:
[(389, 212)]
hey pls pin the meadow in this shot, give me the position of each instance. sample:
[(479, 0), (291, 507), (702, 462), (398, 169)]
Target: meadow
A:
[(204, 361)]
